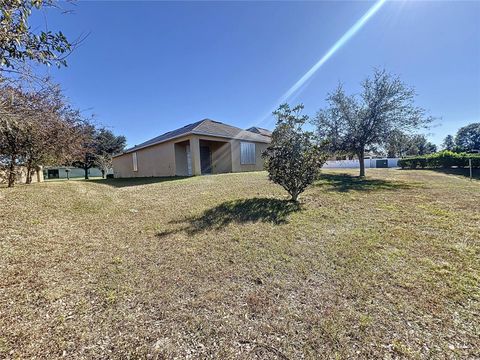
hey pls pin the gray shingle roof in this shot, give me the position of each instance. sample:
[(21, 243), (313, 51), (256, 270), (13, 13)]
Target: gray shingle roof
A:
[(261, 131), (204, 127)]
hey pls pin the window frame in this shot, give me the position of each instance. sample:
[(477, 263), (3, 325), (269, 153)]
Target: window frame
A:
[(249, 153), (135, 161)]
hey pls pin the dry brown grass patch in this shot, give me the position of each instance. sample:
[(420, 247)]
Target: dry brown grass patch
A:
[(226, 267)]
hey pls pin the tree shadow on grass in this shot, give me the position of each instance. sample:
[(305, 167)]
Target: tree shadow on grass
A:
[(242, 211), (465, 172), (126, 182), (346, 182)]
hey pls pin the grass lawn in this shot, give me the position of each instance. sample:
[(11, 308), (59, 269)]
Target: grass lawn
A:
[(224, 267)]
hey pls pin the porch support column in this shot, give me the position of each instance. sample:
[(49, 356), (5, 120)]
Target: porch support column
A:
[(195, 154), (235, 155)]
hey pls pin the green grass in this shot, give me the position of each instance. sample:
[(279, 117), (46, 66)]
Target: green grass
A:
[(226, 267)]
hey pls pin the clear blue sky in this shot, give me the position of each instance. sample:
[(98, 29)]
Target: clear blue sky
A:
[(150, 67)]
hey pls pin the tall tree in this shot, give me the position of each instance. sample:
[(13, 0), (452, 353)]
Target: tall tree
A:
[(400, 144), (98, 147), (36, 128), (86, 157), (53, 133), (468, 137), (419, 145), (353, 123), (397, 144), (106, 145), (13, 130), (104, 162), (292, 159), (448, 143)]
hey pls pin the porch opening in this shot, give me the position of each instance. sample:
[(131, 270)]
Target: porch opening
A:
[(205, 159), (215, 157)]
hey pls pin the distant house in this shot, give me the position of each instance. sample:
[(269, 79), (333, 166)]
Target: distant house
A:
[(260, 131), (370, 162), (21, 175), (64, 172), (204, 147)]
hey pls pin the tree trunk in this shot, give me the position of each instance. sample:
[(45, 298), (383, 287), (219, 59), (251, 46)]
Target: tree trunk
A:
[(361, 158), (11, 173), (294, 196), (103, 173), (28, 179), (86, 172)]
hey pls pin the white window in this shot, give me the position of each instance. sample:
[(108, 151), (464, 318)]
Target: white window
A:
[(247, 153), (135, 163)]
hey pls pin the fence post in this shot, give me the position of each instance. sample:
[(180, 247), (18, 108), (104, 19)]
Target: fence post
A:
[(470, 165)]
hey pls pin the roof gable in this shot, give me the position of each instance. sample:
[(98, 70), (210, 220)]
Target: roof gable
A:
[(216, 128)]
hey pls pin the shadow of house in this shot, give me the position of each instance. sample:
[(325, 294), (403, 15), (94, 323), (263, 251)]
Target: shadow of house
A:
[(346, 182), (243, 211), (126, 182)]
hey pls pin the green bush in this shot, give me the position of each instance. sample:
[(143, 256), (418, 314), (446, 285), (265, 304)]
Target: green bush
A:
[(442, 159)]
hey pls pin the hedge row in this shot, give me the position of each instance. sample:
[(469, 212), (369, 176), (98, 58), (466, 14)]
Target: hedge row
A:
[(443, 159)]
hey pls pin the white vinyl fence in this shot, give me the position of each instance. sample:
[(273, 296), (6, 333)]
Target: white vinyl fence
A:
[(355, 164)]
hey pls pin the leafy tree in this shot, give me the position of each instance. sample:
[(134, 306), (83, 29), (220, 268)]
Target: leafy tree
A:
[(448, 143), (36, 128), (52, 136), (12, 131), (86, 157), (397, 144), (98, 147), (352, 124), (20, 43), (468, 137), (104, 162), (292, 159), (400, 144), (107, 144), (419, 145)]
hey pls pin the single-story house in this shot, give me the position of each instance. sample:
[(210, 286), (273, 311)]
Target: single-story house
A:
[(64, 172), (370, 162), (204, 147)]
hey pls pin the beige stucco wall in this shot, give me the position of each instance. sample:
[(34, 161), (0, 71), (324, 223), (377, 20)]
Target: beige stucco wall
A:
[(181, 165), (21, 175), (221, 154), (221, 157), (162, 159), (259, 162), (233, 164), (157, 160)]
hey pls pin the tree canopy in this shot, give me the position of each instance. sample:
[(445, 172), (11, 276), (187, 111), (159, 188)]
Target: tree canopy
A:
[(19, 42), (293, 160), (36, 128), (354, 123), (449, 143), (400, 144), (468, 137), (98, 148)]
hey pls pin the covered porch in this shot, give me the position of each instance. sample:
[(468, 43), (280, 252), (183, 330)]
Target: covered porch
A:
[(202, 156)]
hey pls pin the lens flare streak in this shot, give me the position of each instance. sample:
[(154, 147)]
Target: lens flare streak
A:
[(345, 37)]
